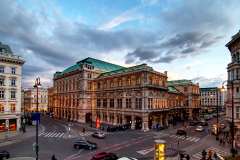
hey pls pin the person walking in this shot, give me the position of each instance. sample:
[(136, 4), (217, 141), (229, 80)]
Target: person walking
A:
[(53, 157)]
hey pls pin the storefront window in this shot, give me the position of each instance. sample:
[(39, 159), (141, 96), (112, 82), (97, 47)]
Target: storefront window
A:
[(1, 108)]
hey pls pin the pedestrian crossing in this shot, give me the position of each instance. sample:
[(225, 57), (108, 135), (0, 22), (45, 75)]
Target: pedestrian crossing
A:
[(52, 134), (85, 134), (187, 138), (198, 156)]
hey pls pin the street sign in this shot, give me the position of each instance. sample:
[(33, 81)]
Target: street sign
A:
[(36, 116)]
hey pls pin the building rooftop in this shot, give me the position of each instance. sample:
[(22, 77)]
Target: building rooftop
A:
[(179, 82), (125, 70), (5, 49), (172, 89), (98, 65), (234, 38), (209, 89)]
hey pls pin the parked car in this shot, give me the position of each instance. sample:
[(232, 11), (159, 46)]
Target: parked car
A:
[(203, 123), (193, 123), (181, 132), (104, 156), (4, 154), (99, 135), (83, 144), (127, 158), (199, 128)]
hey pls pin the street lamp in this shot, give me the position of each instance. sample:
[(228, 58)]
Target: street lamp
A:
[(233, 151), (37, 84)]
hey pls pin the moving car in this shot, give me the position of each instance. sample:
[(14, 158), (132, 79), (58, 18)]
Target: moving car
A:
[(181, 132), (83, 144), (4, 154), (104, 156), (199, 128), (99, 135)]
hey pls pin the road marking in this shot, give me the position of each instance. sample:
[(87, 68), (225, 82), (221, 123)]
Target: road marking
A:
[(52, 134), (61, 135), (146, 151)]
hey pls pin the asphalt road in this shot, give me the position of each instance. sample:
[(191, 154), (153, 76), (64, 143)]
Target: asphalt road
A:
[(58, 139)]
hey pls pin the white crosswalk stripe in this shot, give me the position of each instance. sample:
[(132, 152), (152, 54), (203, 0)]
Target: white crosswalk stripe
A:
[(198, 155), (51, 134), (85, 134), (192, 139)]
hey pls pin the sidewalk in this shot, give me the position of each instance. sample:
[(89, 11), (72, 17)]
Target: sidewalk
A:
[(8, 138)]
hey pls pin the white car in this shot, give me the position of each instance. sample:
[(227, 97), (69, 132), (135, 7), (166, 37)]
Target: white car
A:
[(199, 128), (127, 158), (100, 135)]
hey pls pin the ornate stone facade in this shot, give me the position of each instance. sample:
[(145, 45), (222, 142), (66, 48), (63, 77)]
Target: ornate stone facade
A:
[(10, 89), (233, 84), (138, 96)]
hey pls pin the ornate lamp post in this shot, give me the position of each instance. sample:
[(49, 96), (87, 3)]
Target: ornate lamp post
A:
[(37, 84)]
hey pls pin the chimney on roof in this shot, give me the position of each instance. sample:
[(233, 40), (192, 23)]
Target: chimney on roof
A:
[(165, 72)]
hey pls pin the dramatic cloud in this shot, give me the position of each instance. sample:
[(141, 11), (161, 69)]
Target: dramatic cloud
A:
[(179, 46), (209, 82)]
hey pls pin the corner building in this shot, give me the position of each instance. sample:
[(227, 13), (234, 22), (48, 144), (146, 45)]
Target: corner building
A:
[(10, 89), (93, 89), (233, 85)]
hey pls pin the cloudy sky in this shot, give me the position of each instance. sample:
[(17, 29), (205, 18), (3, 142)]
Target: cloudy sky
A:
[(186, 38)]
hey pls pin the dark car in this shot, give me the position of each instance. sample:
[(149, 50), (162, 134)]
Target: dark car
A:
[(181, 132), (104, 156), (203, 123), (4, 154), (83, 144), (193, 123)]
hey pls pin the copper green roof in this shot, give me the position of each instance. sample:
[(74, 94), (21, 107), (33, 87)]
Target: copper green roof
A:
[(5, 49), (101, 65), (98, 65), (208, 89), (179, 82), (124, 70), (172, 89)]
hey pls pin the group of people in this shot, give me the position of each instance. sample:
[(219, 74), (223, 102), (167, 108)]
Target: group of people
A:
[(209, 156)]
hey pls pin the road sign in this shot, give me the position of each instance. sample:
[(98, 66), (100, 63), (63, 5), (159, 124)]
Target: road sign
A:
[(36, 116)]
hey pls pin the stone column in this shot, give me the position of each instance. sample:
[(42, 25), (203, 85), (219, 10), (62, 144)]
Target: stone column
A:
[(133, 122), (123, 119), (166, 119), (161, 119), (145, 123), (115, 119), (190, 114)]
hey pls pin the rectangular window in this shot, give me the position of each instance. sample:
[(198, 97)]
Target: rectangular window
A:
[(237, 89), (119, 103), (128, 103), (13, 70), (104, 103), (138, 103), (238, 112), (1, 81), (98, 103), (13, 82), (2, 94), (111, 103), (1, 108), (13, 94), (150, 102), (13, 108), (1, 69)]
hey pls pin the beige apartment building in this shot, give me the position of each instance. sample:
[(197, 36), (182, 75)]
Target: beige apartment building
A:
[(10, 89), (30, 99)]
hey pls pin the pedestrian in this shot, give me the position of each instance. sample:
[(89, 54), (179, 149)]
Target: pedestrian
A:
[(204, 153), (215, 156), (53, 157), (187, 157), (83, 130)]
